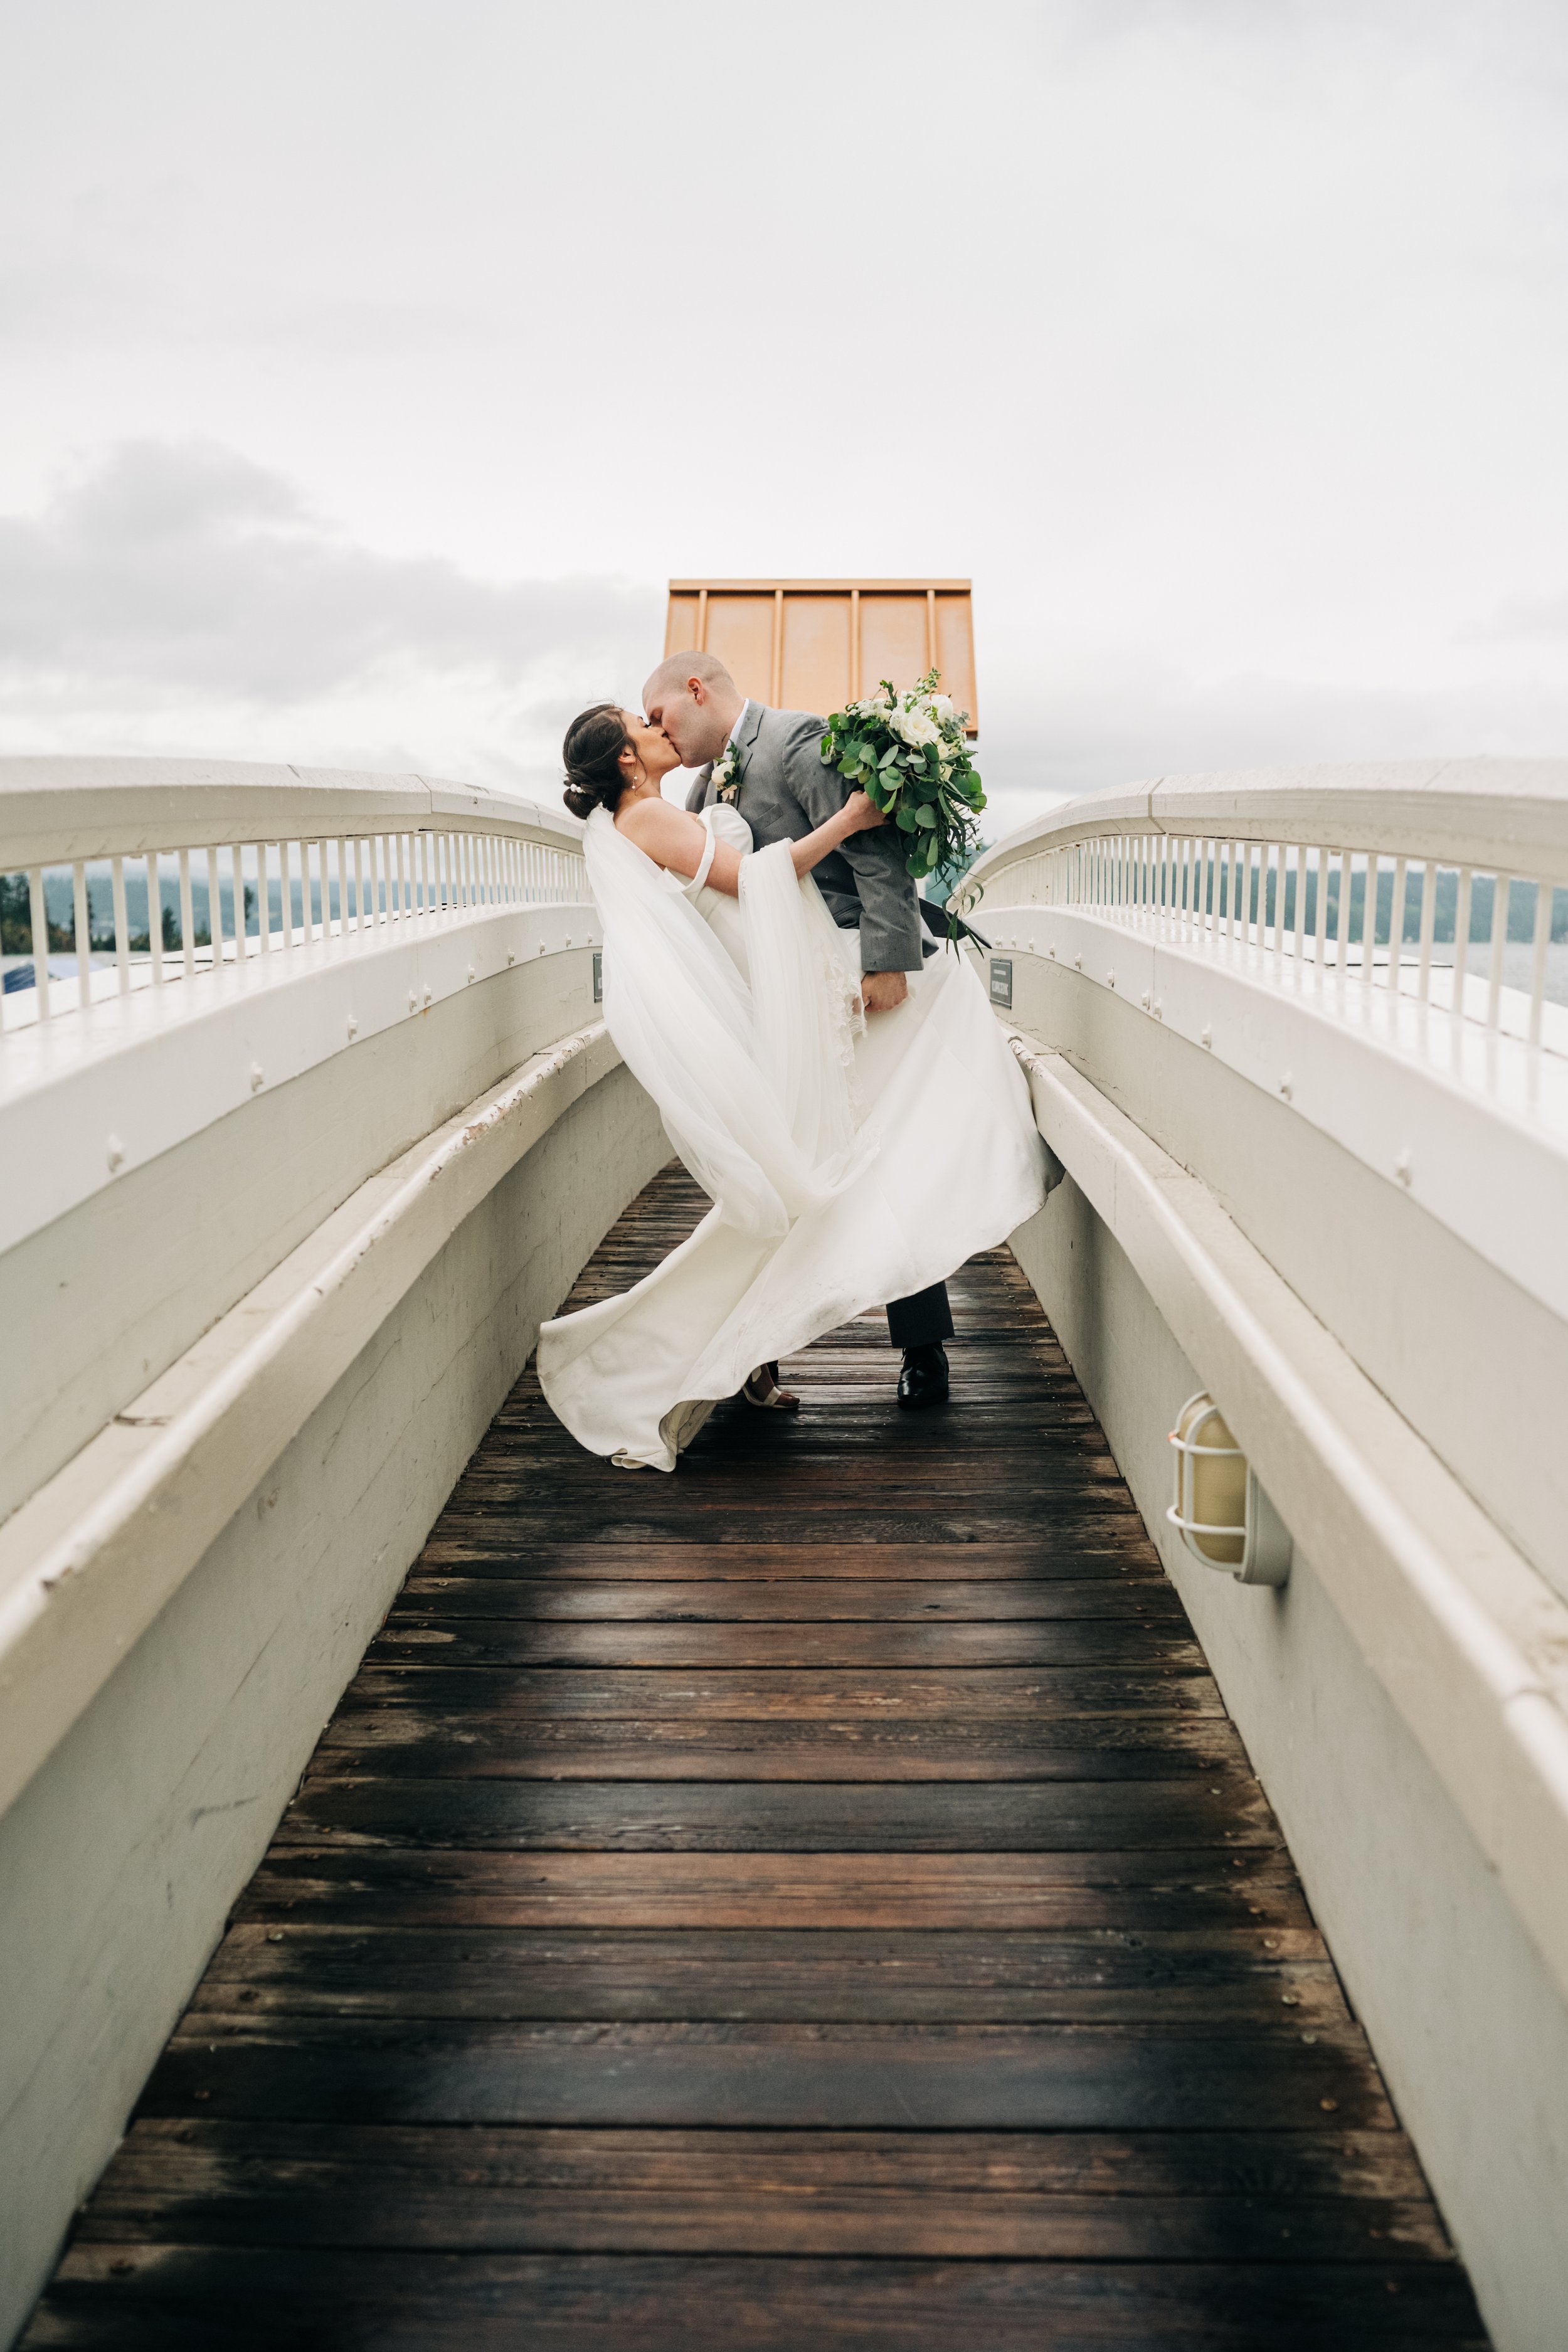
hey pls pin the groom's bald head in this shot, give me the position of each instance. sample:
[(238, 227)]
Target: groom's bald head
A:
[(695, 701), (676, 672)]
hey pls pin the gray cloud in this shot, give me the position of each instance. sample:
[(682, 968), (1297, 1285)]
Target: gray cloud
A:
[(1243, 410), (180, 597), (186, 567)]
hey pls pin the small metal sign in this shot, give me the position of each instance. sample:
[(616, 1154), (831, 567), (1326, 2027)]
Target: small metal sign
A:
[(599, 978), (1002, 982)]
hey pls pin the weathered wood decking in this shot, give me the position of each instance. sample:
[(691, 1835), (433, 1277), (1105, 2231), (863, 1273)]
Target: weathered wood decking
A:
[(816, 1899)]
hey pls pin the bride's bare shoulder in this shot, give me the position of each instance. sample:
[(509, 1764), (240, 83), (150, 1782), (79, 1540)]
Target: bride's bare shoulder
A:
[(658, 826)]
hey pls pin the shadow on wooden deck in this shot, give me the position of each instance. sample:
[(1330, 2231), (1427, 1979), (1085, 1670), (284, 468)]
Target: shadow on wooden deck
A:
[(815, 1899)]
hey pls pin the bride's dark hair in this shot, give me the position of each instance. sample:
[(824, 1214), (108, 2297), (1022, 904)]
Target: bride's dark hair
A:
[(592, 753)]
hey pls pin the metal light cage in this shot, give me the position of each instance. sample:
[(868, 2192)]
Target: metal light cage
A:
[(1254, 1548)]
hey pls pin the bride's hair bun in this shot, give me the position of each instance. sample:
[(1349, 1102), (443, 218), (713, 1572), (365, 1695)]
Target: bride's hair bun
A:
[(592, 756)]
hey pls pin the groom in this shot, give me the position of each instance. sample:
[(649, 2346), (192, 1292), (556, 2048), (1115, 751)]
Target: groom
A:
[(785, 790)]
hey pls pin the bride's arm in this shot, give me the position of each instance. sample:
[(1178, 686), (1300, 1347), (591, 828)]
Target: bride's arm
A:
[(676, 840), (859, 814)]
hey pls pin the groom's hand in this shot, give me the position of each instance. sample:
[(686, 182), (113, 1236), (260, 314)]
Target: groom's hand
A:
[(880, 991)]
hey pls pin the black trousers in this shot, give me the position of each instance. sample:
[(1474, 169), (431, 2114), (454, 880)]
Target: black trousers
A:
[(924, 1319), (920, 1321)]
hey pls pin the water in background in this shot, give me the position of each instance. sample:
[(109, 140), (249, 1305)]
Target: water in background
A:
[(1517, 964)]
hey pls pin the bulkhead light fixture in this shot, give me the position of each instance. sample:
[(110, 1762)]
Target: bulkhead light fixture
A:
[(1223, 1517)]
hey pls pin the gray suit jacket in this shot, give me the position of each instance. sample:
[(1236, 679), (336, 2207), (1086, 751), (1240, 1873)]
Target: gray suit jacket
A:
[(786, 792)]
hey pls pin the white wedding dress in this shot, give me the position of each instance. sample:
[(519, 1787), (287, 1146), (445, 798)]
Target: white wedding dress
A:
[(848, 1160)]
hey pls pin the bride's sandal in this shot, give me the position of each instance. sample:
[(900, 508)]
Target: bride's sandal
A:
[(762, 1389)]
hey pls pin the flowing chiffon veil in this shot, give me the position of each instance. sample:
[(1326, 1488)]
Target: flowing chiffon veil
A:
[(754, 1089), (823, 1204)]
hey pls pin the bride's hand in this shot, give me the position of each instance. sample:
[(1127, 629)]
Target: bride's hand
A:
[(857, 814)]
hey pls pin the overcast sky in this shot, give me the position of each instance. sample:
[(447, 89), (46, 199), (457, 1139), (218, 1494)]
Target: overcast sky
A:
[(369, 365)]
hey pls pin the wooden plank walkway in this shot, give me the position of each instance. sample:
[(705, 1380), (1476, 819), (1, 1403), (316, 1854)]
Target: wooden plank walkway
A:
[(816, 1899)]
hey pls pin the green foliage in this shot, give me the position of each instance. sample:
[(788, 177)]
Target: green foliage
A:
[(16, 920), (169, 927), (907, 752)]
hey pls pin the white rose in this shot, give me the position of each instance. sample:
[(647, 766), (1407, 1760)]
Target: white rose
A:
[(942, 706)]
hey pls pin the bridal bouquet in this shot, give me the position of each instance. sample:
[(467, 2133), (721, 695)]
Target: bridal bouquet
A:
[(909, 752)]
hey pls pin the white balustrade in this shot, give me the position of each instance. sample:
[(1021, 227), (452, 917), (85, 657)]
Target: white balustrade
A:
[(166, 871), (1441, 889)]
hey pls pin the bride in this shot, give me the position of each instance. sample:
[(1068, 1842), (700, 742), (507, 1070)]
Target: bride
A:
[(849, 1159)]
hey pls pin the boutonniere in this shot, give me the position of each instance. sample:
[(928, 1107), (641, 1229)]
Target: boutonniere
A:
[(727, 773)]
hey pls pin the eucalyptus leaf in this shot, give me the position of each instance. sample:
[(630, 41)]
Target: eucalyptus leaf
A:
[(934, 814)]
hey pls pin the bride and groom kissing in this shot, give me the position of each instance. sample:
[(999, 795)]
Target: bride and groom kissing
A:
[(838, 1085)]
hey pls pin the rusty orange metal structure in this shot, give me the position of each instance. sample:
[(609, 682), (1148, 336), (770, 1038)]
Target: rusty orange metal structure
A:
[(814, 645)]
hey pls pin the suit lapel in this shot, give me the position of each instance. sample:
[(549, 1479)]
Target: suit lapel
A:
[(746, 736), (751, 719)]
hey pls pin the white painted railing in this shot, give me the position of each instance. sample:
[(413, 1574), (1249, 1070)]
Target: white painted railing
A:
[(233, 864), (1365, 888)]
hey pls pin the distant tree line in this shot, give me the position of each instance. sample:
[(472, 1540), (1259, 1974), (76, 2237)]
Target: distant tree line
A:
[(16, 927), (1445, 910), (1257, 903), (16, 920)]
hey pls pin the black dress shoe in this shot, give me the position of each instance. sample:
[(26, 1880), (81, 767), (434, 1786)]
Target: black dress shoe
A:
[(923, 1379)]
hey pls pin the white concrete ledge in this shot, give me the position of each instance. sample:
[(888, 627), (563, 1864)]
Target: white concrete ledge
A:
[(1469, 1640), (1453, 1117), (148, 1070), (86, 1563)]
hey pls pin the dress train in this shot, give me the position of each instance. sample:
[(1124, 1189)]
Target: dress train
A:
[(846, 1168)]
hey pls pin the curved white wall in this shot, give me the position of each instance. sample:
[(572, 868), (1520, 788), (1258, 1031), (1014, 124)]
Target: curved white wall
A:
[(1409, 1277), (113, 1276), (1467, 2014), (123, 1852)]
